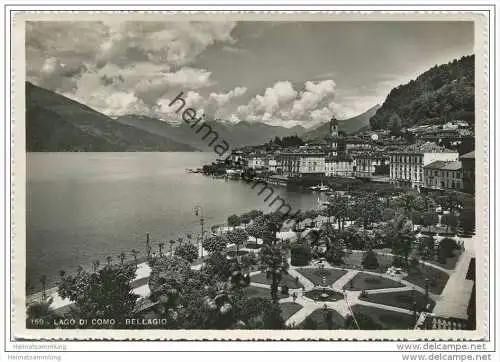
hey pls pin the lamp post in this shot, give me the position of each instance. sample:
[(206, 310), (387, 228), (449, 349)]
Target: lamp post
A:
[(426, 293), (198, 211)]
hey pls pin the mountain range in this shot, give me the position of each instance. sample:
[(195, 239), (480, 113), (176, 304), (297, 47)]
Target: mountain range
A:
[(55, 123), (349, 126)]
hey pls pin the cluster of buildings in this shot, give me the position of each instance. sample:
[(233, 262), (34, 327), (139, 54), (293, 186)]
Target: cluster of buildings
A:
[(423, 164)]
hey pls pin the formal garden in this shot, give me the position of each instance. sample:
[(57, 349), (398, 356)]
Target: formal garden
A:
[(366, 261)]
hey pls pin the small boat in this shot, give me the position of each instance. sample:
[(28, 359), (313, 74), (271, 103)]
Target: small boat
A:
[(324, 188), (314, 188)]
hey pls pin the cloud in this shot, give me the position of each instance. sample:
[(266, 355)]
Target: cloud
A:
[(314, 93), (134, 64), (212, 106)]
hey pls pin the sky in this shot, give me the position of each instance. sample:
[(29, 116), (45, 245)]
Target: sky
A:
[(280, 73)]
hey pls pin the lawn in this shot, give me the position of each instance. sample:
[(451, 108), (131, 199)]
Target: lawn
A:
[(437, 278), (286, 279), (315, 275), (317, 320), (365, 281), (387, 319), (400, 299), (289, 309), (355, 258), (256, 292)]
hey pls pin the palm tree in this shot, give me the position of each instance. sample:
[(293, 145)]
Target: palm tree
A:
[(189, 237), (95, 265), (273, 262), (108, 260), (160, 246), (180, 240), (135, 253), (171, 242), (43, 281), (122, 257)]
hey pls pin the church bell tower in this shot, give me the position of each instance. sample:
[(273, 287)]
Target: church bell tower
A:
[(334, 134)]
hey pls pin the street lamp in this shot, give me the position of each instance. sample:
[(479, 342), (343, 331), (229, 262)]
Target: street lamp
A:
[(198, 211)]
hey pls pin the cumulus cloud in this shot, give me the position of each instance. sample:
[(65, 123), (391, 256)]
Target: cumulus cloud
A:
[(141, 62), (310, 98), (283, 103)]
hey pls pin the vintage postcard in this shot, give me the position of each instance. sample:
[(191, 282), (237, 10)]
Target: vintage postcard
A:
[(250, 176)]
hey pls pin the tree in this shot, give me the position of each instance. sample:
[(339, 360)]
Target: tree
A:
[(429, 218), (187, 251), (160, 248), (167, 269), (257, 227), (273, 262), (105, 294), (402, 237), (134, 254), (122, 257), (40, 315), (260, 313), (109, 259), (448, 246), (237, 237), (450, 220), (370, 260), (214, 244), (95, 265), (233, 220), (245, 218), (427, 248), (300, 255), (172, 243), (368, 208), (334, 245), (43, 281), (388, 214), (467, 218), (218, 267)]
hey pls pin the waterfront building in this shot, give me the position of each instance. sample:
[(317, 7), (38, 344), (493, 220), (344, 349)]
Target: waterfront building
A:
[(369, 164), (443, 175), (469, 172), (340, 165), (301, 163), (256, 161), (406, 164), (271, 164)]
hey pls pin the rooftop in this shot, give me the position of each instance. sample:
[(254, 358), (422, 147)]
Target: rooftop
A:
[(427, 147), (445, 165), (468, 155)]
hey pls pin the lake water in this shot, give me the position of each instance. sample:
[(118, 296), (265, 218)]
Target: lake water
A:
[(87, 206)]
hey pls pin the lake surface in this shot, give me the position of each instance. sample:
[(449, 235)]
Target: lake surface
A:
[(87, 206)]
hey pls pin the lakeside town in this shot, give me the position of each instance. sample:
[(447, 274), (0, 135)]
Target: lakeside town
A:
[(429, 157), (376, 158), (391, 246)]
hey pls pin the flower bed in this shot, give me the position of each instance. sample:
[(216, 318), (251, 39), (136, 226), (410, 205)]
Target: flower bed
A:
[(315, 275), (324, 295)]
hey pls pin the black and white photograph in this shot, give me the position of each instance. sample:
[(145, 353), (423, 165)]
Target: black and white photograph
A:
[(271, 177)]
